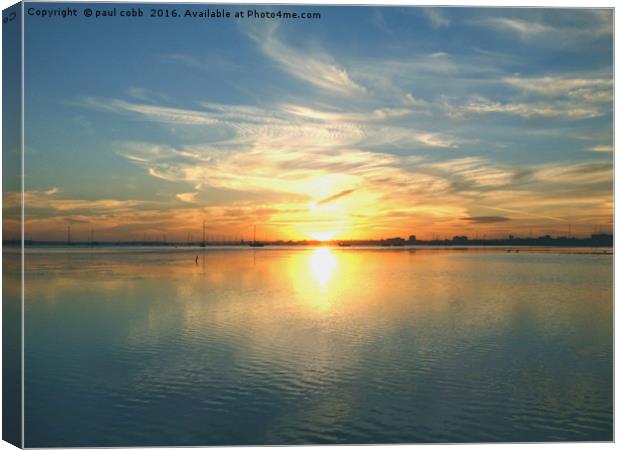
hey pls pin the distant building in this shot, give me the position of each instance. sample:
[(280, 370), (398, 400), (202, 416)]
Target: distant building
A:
[(412, 239), (460, 239), (397, 241)]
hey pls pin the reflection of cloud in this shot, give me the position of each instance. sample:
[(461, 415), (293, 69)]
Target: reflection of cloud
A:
[(486, 219)]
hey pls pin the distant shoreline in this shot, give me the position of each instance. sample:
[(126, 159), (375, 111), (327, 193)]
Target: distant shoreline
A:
[(602, 240)]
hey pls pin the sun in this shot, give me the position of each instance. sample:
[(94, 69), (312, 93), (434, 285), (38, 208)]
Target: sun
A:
[(324, 235)]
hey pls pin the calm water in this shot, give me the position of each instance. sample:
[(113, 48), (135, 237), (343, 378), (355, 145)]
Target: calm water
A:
[(285, 346)]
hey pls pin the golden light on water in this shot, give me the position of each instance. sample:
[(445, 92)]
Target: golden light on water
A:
[(316, 277), (322, 265)]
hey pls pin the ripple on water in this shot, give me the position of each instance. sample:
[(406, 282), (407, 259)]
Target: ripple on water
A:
[(436, 347)]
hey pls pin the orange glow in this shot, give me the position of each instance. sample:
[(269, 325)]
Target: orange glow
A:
[(322, 235)]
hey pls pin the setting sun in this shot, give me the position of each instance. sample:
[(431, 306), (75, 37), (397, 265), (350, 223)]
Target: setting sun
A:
[(322, 235)]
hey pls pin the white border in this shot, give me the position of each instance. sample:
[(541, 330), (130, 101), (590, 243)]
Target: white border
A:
[(470, 3)]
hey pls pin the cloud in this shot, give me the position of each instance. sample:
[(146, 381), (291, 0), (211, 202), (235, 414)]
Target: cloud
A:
[(551, 97), (267, 168), (524, 28), (334, 197), (436, 17), (46, 200), (553, 85), (155, 113), (560, 30), (475, 171), (486, 219), (582, 173), (333, 122), (409, 99), (566, 110), (379, 114), (601, 149), (316, 68), (188, 197), (138, 93), (288, 125), (580, 91), (435, 140)]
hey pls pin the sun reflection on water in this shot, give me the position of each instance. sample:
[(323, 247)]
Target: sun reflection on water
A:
[(322, 263)]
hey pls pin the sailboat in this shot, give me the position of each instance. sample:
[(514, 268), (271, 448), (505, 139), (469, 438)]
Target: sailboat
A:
[(204, 242), (254, 243)]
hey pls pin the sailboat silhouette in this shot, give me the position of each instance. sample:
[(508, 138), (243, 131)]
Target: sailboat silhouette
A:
[(204, 242), (254, 243)]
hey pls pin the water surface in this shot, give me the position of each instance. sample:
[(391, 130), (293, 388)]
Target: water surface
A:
[(316, 345)]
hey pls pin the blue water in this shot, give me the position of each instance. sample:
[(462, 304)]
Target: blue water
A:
[(289, 346)]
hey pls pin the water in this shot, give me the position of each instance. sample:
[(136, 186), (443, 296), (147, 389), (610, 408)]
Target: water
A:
[(315, 345)]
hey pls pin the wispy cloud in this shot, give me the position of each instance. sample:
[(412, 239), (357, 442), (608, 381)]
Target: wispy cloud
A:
[(363, 127), (475, 171), (334, 197), (566, 110), (379, 114), (524, 28), (188, 197), (582, 173), (435, 140), (316, 68), (548, 30), (486, 219), (155, 113), (436, 17), (554, 85), (235, 126), (601, 149), (50, 199)]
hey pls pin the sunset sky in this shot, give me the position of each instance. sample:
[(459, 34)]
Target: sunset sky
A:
[(372, 122)]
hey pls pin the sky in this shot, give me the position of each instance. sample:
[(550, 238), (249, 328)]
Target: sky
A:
[(370, 122)]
